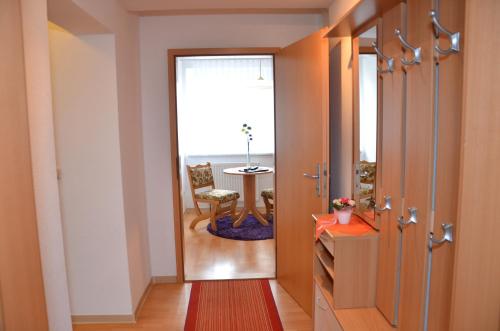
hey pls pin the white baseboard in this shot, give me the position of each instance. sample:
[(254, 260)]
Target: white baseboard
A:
[(116, 319), (164, 279), (103, 319)]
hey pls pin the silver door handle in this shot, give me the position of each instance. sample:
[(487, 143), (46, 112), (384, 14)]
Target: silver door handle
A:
[(310, 176), (317, 178), (387, 205)]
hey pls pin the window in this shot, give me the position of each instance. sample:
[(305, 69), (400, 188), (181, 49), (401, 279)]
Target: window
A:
[(368, 107), (216, 95)]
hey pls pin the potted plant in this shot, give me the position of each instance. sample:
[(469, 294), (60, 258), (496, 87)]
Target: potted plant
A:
[(343, 209)]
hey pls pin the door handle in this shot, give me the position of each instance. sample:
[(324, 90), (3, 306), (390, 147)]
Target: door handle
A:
[(316, 177), (310, 176), (325, 179)]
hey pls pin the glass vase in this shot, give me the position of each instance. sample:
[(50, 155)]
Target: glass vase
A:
[(248, 155)]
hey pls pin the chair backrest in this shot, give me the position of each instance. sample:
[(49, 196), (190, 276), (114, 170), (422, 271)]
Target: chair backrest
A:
[(200, 176), (368, 171)]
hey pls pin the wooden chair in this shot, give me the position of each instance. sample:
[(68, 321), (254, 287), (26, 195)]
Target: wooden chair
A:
[(200, 176), (267, 195)]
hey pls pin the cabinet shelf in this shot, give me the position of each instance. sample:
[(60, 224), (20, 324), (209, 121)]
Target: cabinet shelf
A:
[(327, 243), (326, 287), (325, 259)]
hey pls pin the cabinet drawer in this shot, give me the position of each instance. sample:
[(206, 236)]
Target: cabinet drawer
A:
[(327, 241), (324, 318)]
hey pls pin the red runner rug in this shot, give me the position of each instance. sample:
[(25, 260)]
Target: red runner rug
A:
[(232, 305)]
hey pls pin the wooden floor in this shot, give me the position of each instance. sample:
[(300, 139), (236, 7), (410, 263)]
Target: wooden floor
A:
[(209, 257), (166, 306)]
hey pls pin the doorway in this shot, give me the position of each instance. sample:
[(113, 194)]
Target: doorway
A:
[(222, 107)]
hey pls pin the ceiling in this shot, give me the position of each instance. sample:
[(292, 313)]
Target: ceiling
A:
[(369, 34), (179, 7)]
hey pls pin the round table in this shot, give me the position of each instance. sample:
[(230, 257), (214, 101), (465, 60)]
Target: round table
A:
[(249, 193)]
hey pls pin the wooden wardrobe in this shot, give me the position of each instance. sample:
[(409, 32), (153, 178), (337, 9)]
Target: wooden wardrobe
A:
[(427, 124), (439, 132), (421, 128)]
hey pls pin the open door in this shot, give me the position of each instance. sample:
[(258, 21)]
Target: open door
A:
[(301, 159)]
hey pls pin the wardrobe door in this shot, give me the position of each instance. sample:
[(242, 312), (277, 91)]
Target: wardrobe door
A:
[(476, 287), (391, 165), (21, 286), (418, 166), (448, 113)]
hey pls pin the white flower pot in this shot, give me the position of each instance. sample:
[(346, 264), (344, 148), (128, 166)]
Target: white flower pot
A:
[(344, 215)]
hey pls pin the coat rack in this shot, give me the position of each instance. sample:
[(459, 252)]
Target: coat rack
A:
[(412, 220), (417, 51), (447, 236), (454, 37), (389, 60), (387, 204)]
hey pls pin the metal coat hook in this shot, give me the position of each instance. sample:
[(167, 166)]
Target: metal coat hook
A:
[(454, 37), (447, 235), (417, 51), (412, 220), (387, 205), (389, 60)]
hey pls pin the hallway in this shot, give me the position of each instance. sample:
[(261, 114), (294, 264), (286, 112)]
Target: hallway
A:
[(166, 306)]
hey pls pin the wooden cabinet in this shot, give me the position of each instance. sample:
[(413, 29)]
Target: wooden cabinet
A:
[(324, 319), (345, 266)]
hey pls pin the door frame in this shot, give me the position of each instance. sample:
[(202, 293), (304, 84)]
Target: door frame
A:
[(357, 50), (174, 145)]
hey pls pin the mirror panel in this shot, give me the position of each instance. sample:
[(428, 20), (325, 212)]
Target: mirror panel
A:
[(365, 124)]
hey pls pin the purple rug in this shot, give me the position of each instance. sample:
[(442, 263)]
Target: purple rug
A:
[(250, 229)]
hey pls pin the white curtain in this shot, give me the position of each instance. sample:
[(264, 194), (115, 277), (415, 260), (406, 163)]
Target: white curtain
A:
[(216, 95), (368, 107)]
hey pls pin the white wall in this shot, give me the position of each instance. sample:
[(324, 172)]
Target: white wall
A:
[(43, 158), (88, 151), (157, 35), (125, 28)]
